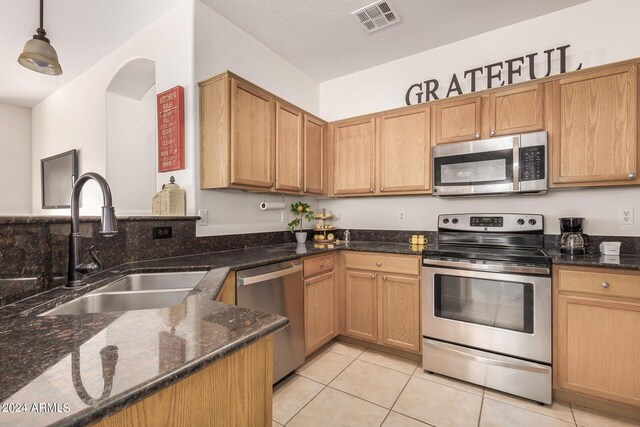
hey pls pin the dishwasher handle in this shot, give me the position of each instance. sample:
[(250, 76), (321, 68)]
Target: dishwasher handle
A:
[(244, 281)]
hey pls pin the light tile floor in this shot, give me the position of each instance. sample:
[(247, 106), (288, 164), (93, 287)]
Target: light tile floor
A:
[(346, 385)]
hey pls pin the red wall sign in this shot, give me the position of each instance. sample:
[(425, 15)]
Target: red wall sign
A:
[(171, 129)]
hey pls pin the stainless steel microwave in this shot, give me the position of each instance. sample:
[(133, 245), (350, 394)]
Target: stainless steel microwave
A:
[(509, 164)]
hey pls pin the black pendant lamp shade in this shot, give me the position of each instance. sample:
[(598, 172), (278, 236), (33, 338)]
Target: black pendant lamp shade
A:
[(38, 54)]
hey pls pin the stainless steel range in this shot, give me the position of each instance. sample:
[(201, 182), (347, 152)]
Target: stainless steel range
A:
[(486, 306)]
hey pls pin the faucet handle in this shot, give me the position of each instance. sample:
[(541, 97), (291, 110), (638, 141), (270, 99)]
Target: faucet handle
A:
[(93, 267)]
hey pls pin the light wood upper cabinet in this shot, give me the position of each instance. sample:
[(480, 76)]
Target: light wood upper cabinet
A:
[(596, 334), (404, 141), (354, 157), (361, 305), (253, 140), (458, 120), (252, 118), (516, 110), (289, 149), (314, 141), (594, 139), (400, 312), (320, 323)]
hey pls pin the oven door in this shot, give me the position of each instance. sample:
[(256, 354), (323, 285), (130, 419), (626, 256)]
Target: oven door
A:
[(476, 167), (497, 312)]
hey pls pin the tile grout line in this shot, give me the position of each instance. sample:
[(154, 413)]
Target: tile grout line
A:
[(481, 406), (573, 414), (324, 387), (533, 412), (377, 364)]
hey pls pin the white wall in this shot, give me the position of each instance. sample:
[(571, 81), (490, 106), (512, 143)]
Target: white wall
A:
[(15, 160), (75, 115), (220, 46), (131, 135), (598, 32)]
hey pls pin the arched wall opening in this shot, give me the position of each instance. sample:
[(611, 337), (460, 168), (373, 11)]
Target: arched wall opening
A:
[(131, 136)]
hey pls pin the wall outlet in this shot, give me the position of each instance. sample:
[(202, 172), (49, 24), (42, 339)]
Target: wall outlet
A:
[(162, 232), (402, 216), (204, 217), (625, 216)]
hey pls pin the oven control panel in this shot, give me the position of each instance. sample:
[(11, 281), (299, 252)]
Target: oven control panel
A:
[(496, 223)]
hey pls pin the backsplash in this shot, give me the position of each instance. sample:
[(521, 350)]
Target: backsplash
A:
[(35, 249)]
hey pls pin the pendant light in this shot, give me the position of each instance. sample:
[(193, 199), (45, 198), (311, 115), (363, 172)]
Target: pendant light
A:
[(38, 54)]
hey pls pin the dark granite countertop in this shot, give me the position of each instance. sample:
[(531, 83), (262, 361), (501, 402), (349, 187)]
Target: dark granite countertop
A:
[(58, 359), (625, 261)]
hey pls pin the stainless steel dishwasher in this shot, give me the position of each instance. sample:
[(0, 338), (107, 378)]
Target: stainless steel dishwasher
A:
[(277, 289)]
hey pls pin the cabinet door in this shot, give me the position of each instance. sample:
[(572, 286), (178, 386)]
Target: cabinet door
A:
[(314, 131), (404, 146), (516, 110), (289, 131), (252, 118), (400, 317), (458, 120), (594, 127), (354, 157), (599, 348), (361, 311), (319, 311)]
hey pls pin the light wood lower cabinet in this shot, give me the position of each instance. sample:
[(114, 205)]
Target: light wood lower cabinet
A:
[(235, 391), (597, 335), (382, 307), (361, 311), (319, 311), (400, 312)]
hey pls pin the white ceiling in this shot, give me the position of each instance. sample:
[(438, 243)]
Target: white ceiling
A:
[(81, 31), (318, 36), (322, 38)]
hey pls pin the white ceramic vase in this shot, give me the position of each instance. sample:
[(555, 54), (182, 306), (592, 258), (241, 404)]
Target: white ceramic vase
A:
[(301, 236)]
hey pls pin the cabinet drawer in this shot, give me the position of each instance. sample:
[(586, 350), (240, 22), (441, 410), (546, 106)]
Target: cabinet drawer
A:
[(597, 282), (317, 265), (406, 264)]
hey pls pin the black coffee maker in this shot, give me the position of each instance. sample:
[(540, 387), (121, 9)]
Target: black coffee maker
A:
[(573, 241)]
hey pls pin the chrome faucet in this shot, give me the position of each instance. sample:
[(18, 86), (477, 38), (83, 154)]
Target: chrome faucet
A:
[(108, 228)]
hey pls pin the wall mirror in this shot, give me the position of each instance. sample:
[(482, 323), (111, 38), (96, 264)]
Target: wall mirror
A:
[(58, 174)]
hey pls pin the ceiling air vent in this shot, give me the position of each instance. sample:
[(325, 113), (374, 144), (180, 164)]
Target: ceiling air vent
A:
[(376, 16)]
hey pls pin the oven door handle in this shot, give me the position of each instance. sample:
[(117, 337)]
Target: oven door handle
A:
[(516, 163), (523, 366), (489, 267)]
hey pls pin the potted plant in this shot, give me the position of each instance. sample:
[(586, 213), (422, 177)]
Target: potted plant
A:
[(301, 211)]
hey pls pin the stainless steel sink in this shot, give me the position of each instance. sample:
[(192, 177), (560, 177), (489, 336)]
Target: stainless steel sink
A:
[(134, 292), (120, 301), (155, 281)]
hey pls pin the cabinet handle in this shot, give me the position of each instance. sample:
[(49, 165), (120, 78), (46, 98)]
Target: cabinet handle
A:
[(605, 285), (307, 283), (378, 264), (384, 278), (381, 188), (322, 264), (373, 276), (477, 135), (371, 190), (493, 132), (631, 176)]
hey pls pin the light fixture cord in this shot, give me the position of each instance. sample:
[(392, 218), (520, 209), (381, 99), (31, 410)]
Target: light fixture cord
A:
[(41, 13)]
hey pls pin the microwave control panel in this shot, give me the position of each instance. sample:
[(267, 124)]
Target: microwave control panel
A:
[(532, 163)]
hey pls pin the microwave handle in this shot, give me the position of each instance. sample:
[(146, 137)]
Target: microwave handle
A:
[(516, 163)]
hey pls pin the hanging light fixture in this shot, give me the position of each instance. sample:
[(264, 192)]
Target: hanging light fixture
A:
[(38, 54)]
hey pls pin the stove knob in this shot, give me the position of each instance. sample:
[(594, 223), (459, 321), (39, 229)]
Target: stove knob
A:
[(520, 221), (445, 221), (532, 221), (454, 220)]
